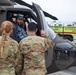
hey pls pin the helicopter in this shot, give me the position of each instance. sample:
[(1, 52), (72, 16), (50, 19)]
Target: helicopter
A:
[(63, 54)]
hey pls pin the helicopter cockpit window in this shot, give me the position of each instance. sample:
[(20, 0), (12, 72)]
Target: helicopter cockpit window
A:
[(31, 20), (28, 16)]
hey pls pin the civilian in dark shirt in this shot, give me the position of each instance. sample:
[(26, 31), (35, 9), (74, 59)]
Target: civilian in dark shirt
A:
[(19, 31)]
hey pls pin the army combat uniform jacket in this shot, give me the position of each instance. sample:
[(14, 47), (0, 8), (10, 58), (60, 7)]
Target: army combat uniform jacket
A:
[(10, 57), (33, 47)]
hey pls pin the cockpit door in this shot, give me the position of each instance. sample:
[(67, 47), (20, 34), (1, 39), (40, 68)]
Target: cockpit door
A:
[(43, 25), (40, 16)]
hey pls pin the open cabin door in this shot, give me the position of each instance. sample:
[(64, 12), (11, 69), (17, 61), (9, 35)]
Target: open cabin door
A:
[(43, 25)]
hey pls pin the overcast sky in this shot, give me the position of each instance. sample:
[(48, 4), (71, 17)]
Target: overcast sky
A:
[(64, 10)]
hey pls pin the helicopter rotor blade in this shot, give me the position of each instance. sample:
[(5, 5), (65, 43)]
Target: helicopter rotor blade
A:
[(30, 6)]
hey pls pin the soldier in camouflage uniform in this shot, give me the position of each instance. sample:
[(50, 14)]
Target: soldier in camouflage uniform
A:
[(33, 48), (10, 59)]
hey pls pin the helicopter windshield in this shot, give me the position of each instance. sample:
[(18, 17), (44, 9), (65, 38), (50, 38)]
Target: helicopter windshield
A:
[(48, 29)]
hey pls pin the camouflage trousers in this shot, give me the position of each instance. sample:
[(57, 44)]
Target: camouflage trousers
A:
[(5, 72), (34, 72)]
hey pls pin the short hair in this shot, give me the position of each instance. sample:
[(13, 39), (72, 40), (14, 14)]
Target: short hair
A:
[(32, 26)]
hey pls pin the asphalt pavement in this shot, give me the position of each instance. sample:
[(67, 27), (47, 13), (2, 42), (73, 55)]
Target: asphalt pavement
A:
[(70, 71)]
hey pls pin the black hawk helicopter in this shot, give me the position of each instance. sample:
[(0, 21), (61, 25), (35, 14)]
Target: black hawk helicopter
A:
[(63, 55)]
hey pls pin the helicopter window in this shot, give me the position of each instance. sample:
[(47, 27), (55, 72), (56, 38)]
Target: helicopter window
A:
[(31, 20), (28, 16)]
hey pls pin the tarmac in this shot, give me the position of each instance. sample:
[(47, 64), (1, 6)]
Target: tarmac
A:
[(70, 71)]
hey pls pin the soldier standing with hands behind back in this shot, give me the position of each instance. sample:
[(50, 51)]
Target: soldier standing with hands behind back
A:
[(33, 48)]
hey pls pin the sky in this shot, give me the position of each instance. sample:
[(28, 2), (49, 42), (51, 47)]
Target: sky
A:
[(64, 10)]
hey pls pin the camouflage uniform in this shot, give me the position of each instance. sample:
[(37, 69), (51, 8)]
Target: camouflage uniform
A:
[(33, 47), (10, 57)]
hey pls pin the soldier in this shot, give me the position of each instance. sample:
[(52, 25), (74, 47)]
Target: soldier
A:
[(33, 48), (10, 59)]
